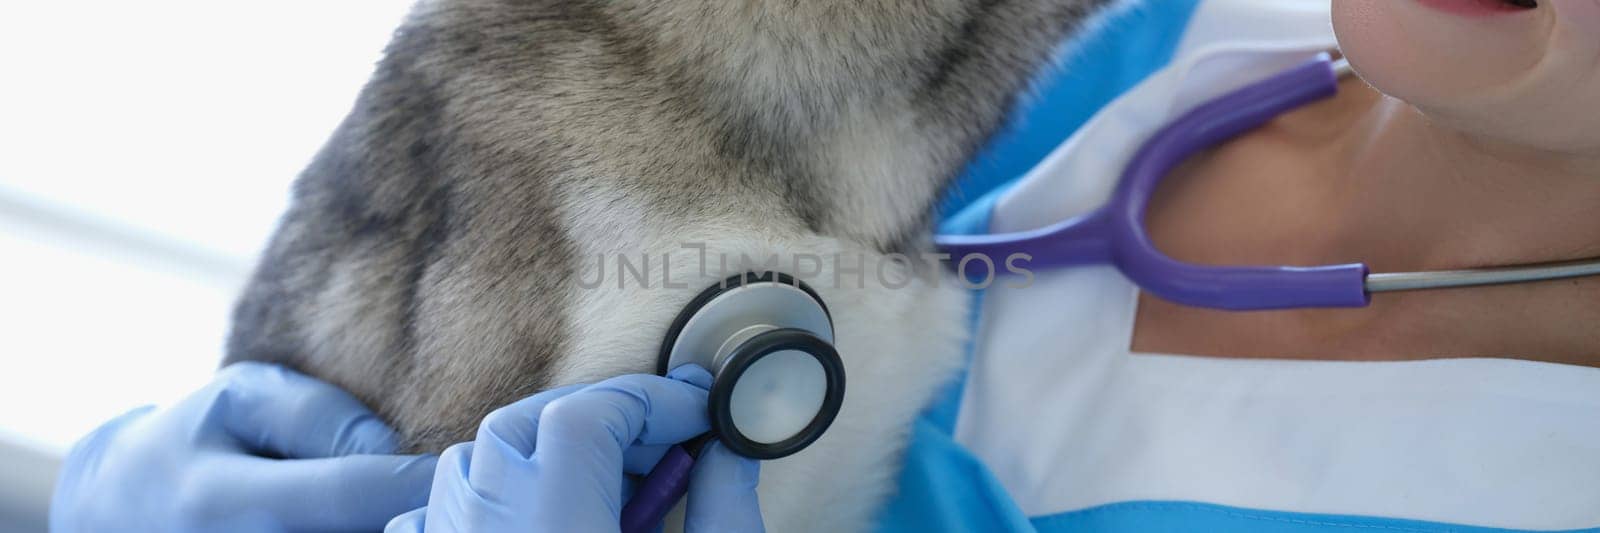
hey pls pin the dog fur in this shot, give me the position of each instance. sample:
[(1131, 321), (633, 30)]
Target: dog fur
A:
[(434, 257)]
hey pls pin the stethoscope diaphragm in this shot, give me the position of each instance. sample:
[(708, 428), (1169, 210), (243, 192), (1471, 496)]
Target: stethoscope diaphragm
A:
[(768, 341)]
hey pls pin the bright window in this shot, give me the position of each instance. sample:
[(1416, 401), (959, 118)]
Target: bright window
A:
[(146, 150)]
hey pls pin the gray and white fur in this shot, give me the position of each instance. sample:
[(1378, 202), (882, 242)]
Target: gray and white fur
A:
[(433, 256)]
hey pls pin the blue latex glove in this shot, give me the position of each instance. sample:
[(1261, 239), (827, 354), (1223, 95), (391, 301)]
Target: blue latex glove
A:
[(555, 461), (260, 448)]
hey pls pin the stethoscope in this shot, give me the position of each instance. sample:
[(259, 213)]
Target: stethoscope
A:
[(778, 381), (768, 339), (1114, 234)]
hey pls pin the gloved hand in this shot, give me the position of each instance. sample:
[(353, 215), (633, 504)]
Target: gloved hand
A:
[(260, 448), (555, 461)]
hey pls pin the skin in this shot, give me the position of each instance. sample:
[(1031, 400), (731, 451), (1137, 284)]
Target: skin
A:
[(1467, 142)]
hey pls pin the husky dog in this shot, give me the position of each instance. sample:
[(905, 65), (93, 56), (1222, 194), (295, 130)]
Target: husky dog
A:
[(441, 252)]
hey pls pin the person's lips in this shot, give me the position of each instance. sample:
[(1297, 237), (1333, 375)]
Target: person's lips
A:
[(1481, 8)]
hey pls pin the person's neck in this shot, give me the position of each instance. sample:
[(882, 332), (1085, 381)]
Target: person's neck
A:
[(1366, 178), (1410, 194)]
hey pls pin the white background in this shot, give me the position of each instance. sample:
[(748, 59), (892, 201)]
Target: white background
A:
[(146, 149)]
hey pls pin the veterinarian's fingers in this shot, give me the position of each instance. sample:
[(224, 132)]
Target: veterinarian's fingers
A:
[(693, 375), (414, 521), (357, 493), (272, 409), (722, 493), (627, 411), (505, 440), (582, 438), (454, 505), (640, 458)]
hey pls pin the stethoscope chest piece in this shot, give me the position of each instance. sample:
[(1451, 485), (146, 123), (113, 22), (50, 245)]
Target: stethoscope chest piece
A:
[(768, 340)]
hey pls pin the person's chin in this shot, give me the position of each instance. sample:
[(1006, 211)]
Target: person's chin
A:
[(1432, 51)]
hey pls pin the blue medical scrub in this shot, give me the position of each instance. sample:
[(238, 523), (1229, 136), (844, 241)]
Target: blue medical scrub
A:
[(943, 487)]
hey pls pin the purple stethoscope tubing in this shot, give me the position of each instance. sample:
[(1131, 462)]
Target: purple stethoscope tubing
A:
[(1115, 232), (661, 489)]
